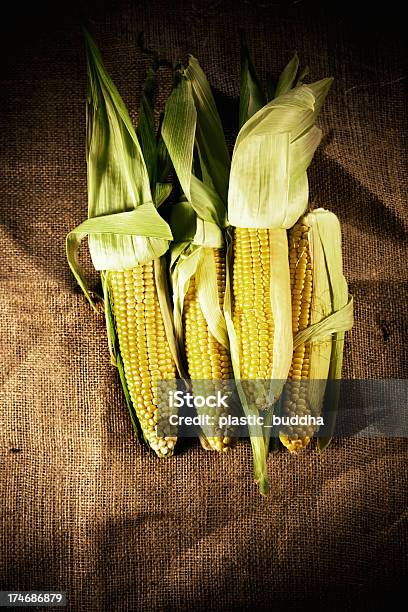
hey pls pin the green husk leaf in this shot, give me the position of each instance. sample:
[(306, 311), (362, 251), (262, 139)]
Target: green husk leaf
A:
[(302, 151), (183, 222), (320, 89), (268, 182), (178, 249), (184, 268), (72, 244), (259, 186), (281, 304), (210, 139), (120, 235), (292, 113), (150, 239), (198, 220), (177, 352), (252, 97), (201, 128), (117, 173), (164, 164), (288, 77), (145, 127), (178, 131), (198, 262), (295, 112), (330, 233), (141, 221), (280, 300), (207, 291), (338, 322), (208, 235), (206, 203), (302, 75), (161, 193), (321, 308)]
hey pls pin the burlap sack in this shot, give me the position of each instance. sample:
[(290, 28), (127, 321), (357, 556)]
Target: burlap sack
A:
[(85, 508)]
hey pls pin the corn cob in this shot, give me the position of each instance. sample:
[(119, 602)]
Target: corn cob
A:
[(295, 401), (252, 313), (260, 281), (314, 283), (199, 274), (143, 345), (207, 359)]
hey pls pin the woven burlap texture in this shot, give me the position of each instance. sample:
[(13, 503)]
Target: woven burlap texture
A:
[(85, 507)]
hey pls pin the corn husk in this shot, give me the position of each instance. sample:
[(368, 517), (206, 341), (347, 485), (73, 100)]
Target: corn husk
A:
[(341, 318), (125, 187), (268, 183), (209, 137), (331, 315), (253, 96), (123, 225)]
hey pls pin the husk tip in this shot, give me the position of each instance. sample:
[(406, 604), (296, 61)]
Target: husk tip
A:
[(323, 444), (263, 485)]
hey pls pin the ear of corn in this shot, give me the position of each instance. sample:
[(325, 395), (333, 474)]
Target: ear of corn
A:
[(268, 192), (261, 301), (127, 239), (316, 277), (208, 359), (198, 269)]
